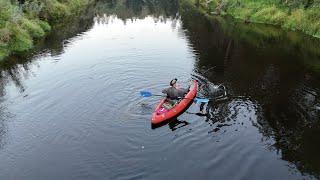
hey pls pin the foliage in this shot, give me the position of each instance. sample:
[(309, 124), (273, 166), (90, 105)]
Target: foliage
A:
[(270, 15), (44, 25), (22, 23), (32, 8), (254, 34), (20, 39), (34, 29), (301, 15)]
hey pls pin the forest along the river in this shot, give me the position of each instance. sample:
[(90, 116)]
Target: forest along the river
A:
[(71, 109)]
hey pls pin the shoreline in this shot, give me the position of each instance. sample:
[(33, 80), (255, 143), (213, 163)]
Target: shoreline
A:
[(22, 25), (294, 18)]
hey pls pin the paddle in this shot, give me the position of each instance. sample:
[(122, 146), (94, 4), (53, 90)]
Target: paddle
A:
[(149, 94), (201, 100)]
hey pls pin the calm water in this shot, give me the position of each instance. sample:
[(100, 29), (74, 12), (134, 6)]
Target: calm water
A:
[(71, 109)]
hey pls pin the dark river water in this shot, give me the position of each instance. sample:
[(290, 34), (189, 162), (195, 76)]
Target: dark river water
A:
[(71, 108)]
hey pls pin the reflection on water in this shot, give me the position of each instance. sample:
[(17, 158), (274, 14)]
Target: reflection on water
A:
[(276, 69), (4, 116), (71, 104), (176, 124)]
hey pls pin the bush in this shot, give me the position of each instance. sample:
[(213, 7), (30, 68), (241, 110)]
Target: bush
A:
[(21, 24), (269, 15), (20, 39), (4, 39), (241, 13), (54, 11), (295, 20), (4, 36), (32, 8), (33, 28), (3, 52), (76, 6), (44, 25)]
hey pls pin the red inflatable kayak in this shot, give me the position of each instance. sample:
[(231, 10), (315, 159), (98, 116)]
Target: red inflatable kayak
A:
[(162, 113)]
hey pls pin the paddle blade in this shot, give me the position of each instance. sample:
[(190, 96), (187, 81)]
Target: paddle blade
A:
[(145, 93), (201, 100)]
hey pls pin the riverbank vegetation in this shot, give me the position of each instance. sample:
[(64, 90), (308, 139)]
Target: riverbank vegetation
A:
[(301, 15), (259, 36), (25, 21)]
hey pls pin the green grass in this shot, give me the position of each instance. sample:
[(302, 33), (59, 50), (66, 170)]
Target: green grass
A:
[(293, 15), (307, 21), (259, 35), (272, 15), (21, 25)]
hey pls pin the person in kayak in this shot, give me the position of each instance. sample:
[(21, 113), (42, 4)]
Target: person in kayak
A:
[(173, 93)]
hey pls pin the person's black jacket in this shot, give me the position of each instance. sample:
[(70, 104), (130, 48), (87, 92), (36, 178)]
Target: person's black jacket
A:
[(174, 93)]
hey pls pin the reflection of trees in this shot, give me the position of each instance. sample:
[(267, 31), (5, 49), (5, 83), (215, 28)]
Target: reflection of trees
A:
[(271, 67), (137, 9), (3, 125), (4, 114), (16, 68), (58, 38), (11, 71), (250, 59)]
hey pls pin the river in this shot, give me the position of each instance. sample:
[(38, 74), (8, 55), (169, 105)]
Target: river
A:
[(71, 108)]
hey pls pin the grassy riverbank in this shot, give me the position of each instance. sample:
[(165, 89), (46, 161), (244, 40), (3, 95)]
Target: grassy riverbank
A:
[(259, 36), (22, 24), (289, 14)]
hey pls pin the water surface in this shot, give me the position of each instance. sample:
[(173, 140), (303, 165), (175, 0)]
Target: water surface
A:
[(71, 109)]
